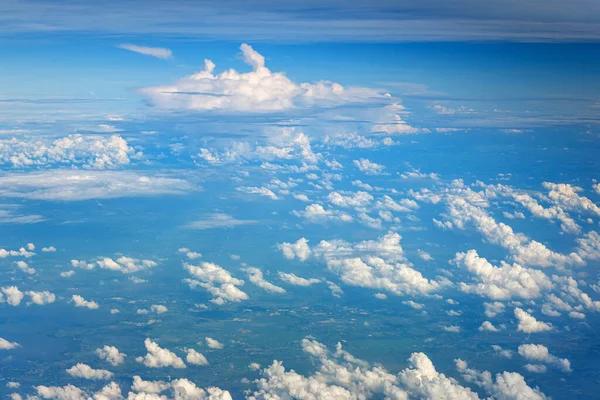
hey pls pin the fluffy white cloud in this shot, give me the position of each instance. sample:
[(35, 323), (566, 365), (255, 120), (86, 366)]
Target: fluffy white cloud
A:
[(488, 326), (506, 386), (493, 309), (504, 282), (255, 276), (368, 167), (6, 345), (73, 185), (195, 358), (567, 196), (111, 354), (157, 357), (218, 221), (589, 246), (86, 151), (259, 90), (299, 249), (13, 295), (528, 323), (261, 191), (315, 213), (293, 279), (158, 52), (23, 266), (217, 281), (540, 353), (125, 265), (81, 302), (41, 298), (22, 252), (86, 372), (213, 343), (351, 199), (181, 389)]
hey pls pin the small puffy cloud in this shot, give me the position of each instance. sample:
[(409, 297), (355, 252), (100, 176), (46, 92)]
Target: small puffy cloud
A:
[(41, 298), (6, 345), (81, 302), (316, 213), (423, 255), (213, 343), (213, 221), (493, 309), (13, 295), (49, 249), (23, 266), (67, 274), (195, 358), (157, 357), (158, 52), (261, 191), (451, 328), (412, 304), (368, 167), (217, 281), (294, 279), (259, 90), (111, 354), (125, 265), (488, 326), (86, 372), (528, 323), (298, 249), (539, 353), (255, 276)]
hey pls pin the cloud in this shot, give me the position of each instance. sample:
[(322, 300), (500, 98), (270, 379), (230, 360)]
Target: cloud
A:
[(255, 276), (112, 355), (125, 265), (262, 191), (157, 357), (493, 309), (528, 323), (213, 221), (293, 279), (6, 345), (81, 302), (158, 52), (317, 214), (504, 282), (299, 249), (13, 295), (259, 90), (217, 281), (213, 343), (41, 298), (195, 358), (72, 185), (540, 353), (368, 167), (86, 372), (488, 326)]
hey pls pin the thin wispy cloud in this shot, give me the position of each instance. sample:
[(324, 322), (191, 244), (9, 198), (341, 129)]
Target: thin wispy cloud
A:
[(158, 52)]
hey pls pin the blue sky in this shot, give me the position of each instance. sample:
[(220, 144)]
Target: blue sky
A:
[(316, 200)]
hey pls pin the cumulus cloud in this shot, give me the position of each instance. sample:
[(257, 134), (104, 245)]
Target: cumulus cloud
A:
[(218, 220), (195, 358), (125, 265), (294, 279), (81, 302), (504, 282), (255, 276), (217, 281), (111, 354), (259, 90), (368, 167), (13, 295), (494, 308), (86, 372), (261, 191), (488, 326), (158, 52), (316, 213), (540, 353), (41, 298), (73, 185), (213, 343), (6, 345), (298, 249), (85, 151), (157, 357), (528, 323)]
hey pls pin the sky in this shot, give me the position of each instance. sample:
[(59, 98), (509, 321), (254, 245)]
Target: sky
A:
[(319, 200)]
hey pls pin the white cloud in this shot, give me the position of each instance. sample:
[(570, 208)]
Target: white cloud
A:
[(528, 323), (493, 309), (49, 249), (86, 372), (540, 353), (261, 191), (423, 255), (41, 298), (504, 282), (315, 213), (213, 343), (195, 358), (111, 354), (125, 265), (255, 276), (451, 328), (13, 295), (157, 357), (299, 249), (368, 167), (6, 345), (358, 199), (158, 52), (218, 221), (73, 185), (81, 302), (23, 266), (488, 326), (217, 281), (259, 90), (293, 279), (86, 151)]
